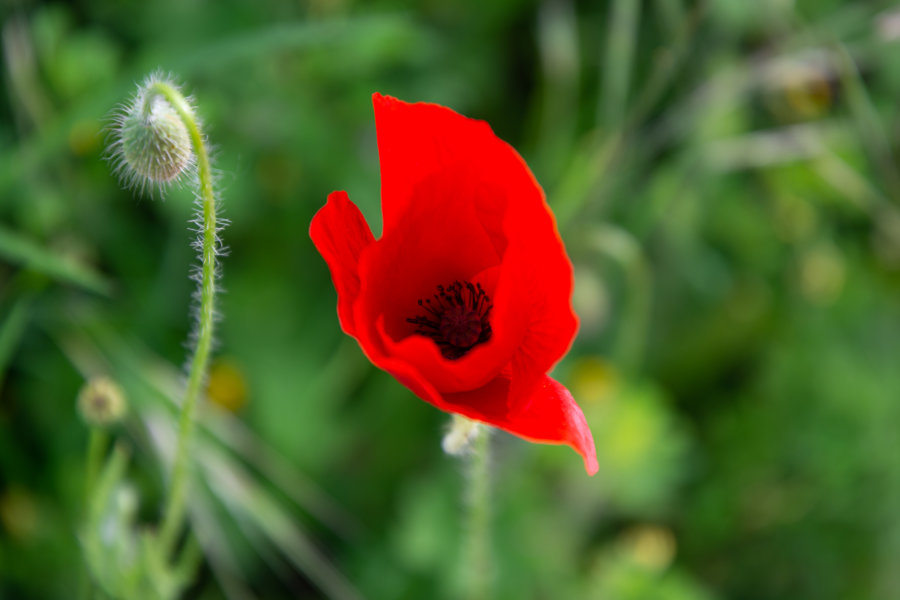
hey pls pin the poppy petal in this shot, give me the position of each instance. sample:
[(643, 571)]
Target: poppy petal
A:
[(544, 279), (422, 142), (437, 241), (541, 411), (417, 140), (430, 152), (532, 406), (340, 234), (443, 237), (459, 204)]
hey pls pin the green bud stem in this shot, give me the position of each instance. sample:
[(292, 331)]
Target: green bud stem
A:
[(175, 508)]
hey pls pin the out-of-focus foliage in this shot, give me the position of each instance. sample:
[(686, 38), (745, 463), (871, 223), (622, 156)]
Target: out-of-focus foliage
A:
[(724, 174)]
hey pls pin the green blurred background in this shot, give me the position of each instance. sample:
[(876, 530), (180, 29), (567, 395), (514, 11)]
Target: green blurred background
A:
[(725, 179)]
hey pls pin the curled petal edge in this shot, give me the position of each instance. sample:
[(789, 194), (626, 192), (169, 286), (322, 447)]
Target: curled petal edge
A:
[(532, 406), (542, 411), (340, 234)]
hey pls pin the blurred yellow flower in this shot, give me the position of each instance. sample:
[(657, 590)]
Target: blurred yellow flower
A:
[(227, 385)]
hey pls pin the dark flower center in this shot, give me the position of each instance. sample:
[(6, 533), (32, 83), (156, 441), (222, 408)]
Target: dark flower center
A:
[(456, 318)]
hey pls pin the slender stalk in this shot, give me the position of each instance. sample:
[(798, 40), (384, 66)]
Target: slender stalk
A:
[(175, 503), (97, 443), (478, 545)]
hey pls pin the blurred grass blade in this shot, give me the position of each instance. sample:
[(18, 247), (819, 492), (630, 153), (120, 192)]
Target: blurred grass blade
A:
[(113, 471), (586, 172), (353, 32), (618, 65), (784, 145), (362, 31), (672, 13), (12, 330), (224, 446), (252, 506), (869, 122), (226, 429), (667, 65), (189, 561), (631, 337), (256, 510), (560, 64), (851, 185), (242, 440), (222, 560), (26, 93), (18, 249), (98, 540)]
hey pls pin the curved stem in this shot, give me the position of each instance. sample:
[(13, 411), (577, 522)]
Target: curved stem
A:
[(478, 545), (175, 503)]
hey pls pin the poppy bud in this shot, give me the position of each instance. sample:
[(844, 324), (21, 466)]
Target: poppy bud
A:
[(101, 402), (150, 141)]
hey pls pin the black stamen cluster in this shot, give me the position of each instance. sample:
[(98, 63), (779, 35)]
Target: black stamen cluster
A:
[(457, 319)]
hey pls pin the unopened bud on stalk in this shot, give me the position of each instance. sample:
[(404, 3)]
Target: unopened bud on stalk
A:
[(151, 144), (101, 402)]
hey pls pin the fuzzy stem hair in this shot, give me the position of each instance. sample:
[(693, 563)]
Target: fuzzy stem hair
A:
[(175, 507)]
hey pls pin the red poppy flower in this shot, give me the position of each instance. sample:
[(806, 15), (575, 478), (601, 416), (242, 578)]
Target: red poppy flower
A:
[(466, 297)]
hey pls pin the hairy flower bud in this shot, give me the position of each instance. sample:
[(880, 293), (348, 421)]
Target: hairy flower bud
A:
[(151, 144), (101, 402)]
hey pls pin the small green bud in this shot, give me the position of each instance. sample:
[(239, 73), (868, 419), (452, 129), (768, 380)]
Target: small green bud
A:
[(101, 402), (151, 144), (156, 146)]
